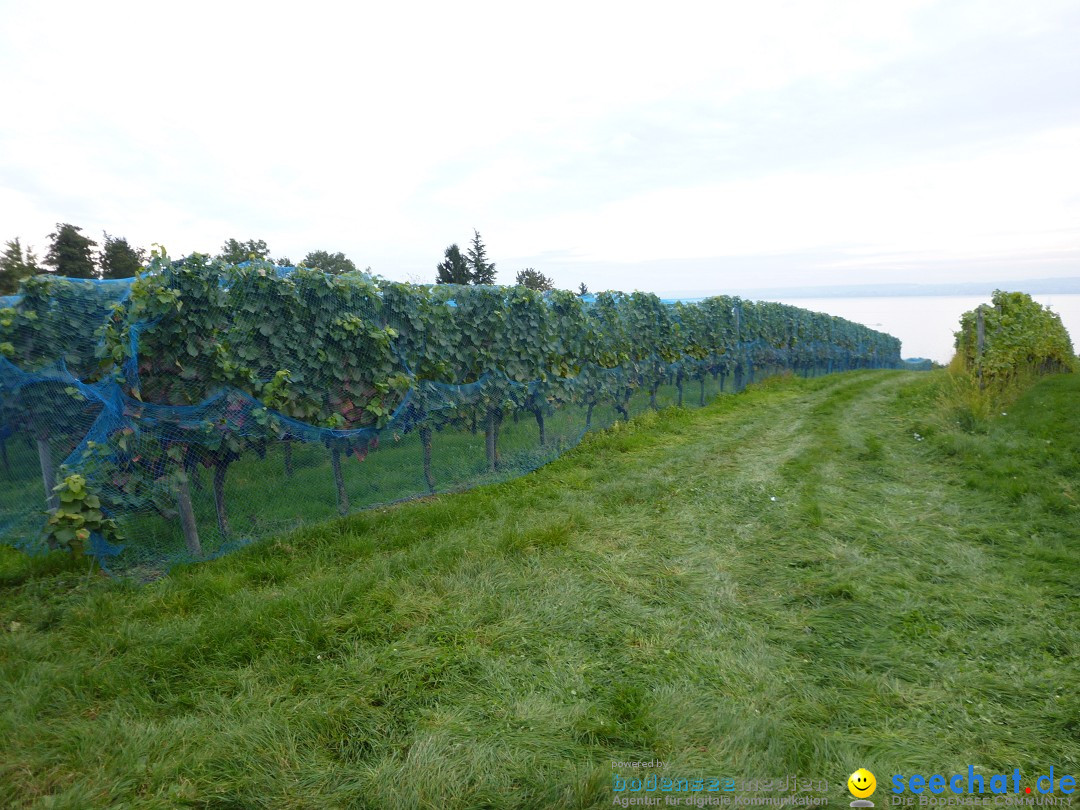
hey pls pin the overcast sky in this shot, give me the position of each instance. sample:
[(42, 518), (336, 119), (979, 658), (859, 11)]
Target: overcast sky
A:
[(669, 147)]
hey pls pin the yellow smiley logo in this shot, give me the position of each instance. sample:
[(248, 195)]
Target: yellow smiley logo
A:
[(861, 783)]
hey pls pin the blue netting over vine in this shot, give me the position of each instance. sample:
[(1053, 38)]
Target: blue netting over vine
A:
[(209, 404)]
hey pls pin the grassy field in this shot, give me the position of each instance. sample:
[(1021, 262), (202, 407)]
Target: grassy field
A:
[(811, 576)]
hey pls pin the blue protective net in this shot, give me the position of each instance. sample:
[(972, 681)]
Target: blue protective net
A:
[(209, 404)]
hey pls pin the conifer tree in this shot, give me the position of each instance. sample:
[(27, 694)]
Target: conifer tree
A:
[(15, 266), (119, 259), (480, 269), (453, 269), (69, 254)]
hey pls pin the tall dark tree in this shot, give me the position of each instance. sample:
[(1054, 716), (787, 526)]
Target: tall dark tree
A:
[(283, 261), (481, 270), (333, 263), (119, 259), (235, 252), (453, 269), (15, 266), (582, 290), (69, 254), (534, 280)]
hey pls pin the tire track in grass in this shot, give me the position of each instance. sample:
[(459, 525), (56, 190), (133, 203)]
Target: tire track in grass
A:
[(894, 615), (708, 588), (769, 446)]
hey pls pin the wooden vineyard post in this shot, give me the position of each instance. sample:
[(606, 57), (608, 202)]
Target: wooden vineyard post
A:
[(539, 414), (342, 495), (187, 516), (492, 437), (740, 362), (48, 472), (425, 440), (219, 499), (980, 344)]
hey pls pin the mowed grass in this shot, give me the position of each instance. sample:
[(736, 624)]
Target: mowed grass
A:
[(787, 581)]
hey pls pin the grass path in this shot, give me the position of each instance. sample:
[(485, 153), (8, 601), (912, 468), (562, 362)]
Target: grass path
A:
[(785, 582)]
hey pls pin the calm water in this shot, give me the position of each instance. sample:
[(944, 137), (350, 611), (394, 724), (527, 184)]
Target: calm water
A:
[(925, 324)]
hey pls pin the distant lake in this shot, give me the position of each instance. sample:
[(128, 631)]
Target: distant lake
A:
[(925, 324)]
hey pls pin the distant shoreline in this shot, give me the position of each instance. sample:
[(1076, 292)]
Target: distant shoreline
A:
[(1038, 286)]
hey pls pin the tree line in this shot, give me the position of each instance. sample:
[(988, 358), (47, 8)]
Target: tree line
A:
[(72, 254), (475, 268)]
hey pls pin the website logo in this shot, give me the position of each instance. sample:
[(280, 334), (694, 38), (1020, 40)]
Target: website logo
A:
[(862, 784)]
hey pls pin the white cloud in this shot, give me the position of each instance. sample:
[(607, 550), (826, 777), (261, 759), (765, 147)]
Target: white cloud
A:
[(1015, 197), (607, 132)]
